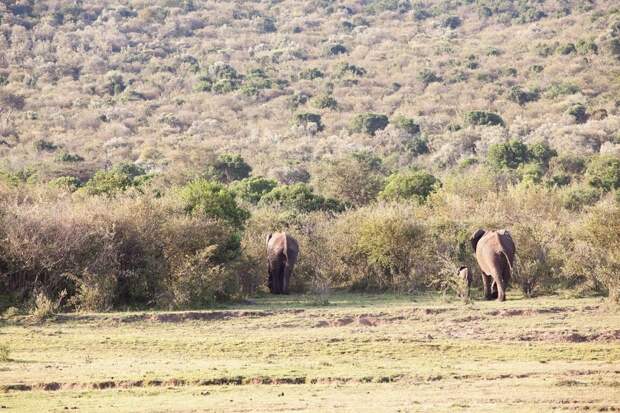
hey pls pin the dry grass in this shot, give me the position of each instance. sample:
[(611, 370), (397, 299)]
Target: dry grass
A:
[(360, 353)]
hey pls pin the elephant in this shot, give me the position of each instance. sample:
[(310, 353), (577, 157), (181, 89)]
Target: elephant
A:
[(466, 277), (495, 252), (282, 253)]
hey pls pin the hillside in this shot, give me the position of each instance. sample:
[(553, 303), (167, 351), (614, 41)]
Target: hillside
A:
[(147, 148), (170, 84)]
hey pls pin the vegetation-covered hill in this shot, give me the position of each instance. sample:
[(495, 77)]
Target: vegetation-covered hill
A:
[(147, 147), (167, 83)]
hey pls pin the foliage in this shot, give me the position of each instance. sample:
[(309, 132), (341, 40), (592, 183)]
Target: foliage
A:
[(413, 184), (308, 119), (368, 123), (253, 188), (212, 200), (301, 197), (604, 172), (325, 101), (482, 118), (508, 155), (121, 177), (406, 124), (578, 112), (356, 179), (520, 96), (229, 167)]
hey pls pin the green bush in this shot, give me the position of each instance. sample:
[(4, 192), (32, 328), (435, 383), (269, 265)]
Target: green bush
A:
[(562, 89), (569, 164), (511, 155), (309, 119), (68, 157), (586, 47), (43, 145), (481, 118), (541, 153), (578, 112), (252, 189), (413, 184), (212, 200), (531, 173), (67, 183), (344, 68), (219, 78), (452, 22), (406, 124), (520, 96), (577, 198), (427, 76), (300, 197), (603, 172), (336, 49), (325, 101), (113, 83), (368, 123), (356, 179), (417, 145), (118, 179), (229, 167), (566, 49), (311, 74)]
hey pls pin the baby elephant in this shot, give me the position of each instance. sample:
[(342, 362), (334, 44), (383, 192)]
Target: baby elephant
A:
[(466, 277)]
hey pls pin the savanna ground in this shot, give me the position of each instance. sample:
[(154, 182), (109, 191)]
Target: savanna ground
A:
[(359, 353)]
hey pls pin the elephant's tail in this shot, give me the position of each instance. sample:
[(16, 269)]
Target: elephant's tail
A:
[(509, 265), (285, 252)]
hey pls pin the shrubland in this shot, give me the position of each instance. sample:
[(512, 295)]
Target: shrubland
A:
[(147, 148)]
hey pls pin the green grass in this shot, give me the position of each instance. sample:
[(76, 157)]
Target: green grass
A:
[(359, 353)]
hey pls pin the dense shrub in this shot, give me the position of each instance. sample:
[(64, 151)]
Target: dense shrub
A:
[(309, 120), (575, 199), (118, 179), (325, 101), (43, 145), (311, 74), (252, 189), (520, 96), (345, 68), (508, 155), (368, 123), (229, 167), (356, 179), (212, 200), (414, 184), (452, 22), (427, 76), (604, 172), (578, 112), (406, 124), (300, 197), (481, 118), (68, 157)]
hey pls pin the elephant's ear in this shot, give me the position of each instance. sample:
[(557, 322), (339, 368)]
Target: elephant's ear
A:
[(269, 237), (476, 237)]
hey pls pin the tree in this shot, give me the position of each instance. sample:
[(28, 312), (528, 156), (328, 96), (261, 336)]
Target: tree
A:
[(212, 200), (302, 198), (369, 123), (508, 155), (413, 184), (604, 172), (252, 189), (230, 167), (356, 179)]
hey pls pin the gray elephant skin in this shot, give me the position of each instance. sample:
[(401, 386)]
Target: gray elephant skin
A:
[(495, 253), (282, 253)]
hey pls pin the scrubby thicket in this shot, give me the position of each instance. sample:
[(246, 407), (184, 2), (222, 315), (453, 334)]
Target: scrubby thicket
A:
[(148, 147)]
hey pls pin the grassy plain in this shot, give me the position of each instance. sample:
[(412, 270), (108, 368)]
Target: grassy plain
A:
[(359, 353)]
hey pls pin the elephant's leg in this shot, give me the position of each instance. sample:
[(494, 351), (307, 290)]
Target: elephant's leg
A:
[(493, 289), (486, 283), (270, 279), (501, 290), (286, 275)]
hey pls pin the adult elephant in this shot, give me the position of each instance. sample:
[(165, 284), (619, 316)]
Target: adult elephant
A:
[(495, 253), (282, 252)]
